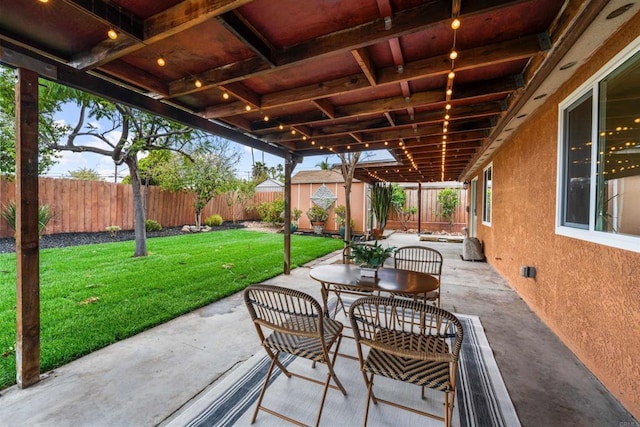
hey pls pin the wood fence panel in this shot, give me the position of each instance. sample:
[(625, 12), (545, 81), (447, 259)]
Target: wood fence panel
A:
[(7, 195), (91, 206)]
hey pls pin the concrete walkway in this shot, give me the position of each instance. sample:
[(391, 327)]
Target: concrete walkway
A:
[(147, 379)]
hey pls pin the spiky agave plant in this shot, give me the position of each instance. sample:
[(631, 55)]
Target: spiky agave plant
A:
[(9, 214)]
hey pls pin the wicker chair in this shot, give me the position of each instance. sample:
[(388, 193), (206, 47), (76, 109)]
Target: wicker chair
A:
[(296, 325), (340, 290), (424, 260), (408, 341)]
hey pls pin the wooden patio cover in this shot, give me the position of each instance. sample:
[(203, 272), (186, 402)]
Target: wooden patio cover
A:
[(289, 77)]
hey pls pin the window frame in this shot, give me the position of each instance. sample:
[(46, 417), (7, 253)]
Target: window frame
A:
[(484, 195), (591, 85)]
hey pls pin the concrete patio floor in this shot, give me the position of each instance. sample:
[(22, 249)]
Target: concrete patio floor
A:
[(148, 379)]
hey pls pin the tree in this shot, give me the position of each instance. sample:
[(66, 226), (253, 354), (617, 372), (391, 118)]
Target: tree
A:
[(324, 165), (129, 133), (50, 102), (239, 192), (151, 166), (448, 200), (399, 201), (85, 174), (348, 162), (206, 173), (261, 172)]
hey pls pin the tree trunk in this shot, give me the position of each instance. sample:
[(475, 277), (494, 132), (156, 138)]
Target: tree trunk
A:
[(138, 208)]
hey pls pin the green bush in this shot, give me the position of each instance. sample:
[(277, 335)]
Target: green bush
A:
[(151, 225), (214, 221), (44, 215), (271, 212)]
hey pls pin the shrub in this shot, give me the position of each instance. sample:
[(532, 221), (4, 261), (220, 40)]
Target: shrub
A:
[(214, 221), (271, 212), (317, 214), (113, 230), (151, 225), (44, 216)]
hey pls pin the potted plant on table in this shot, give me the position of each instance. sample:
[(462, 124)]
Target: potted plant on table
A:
[(370, 257), (317, 215)]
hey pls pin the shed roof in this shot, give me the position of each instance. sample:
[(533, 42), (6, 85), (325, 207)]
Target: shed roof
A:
[(318, 177)]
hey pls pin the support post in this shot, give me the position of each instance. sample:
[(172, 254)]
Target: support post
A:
[(419, 207), (27, 235), (289, 166)]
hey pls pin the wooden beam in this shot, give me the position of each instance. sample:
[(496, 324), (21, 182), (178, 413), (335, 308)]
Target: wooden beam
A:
[(27, 235), (363, 59), (289, 166), (326, 107), (404, 22), (245, 32), (431, 67), (164, 24), (113, 16), (241, 92)]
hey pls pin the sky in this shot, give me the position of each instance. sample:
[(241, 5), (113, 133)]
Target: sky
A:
[(105, 167)]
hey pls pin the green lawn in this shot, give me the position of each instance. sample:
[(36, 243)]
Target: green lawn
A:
[(94, 295)]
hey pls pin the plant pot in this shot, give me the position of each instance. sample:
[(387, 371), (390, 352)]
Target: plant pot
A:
[(369, 273), (342, 231), (293, 227), (377, 233), (318, 227)]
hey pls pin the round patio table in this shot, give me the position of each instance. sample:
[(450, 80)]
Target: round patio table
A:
[(389, 280)]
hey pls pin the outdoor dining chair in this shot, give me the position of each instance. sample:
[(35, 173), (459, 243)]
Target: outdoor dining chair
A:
[(340, 290), (290, 321), (424, 260), (408, 341)]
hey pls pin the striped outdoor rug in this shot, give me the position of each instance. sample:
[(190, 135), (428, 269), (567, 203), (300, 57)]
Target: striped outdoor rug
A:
[(481, 396)]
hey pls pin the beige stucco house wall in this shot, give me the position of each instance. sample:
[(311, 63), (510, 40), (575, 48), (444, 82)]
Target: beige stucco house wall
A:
[(587, 293)]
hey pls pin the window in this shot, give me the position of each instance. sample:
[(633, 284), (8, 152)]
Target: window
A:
[(599, 163), (486, 194)]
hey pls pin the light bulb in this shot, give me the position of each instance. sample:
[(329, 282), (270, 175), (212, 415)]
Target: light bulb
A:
[(198, 83), (161, 62), (247, 107), (455, 24), (266, 118), (451, 75), (112, 34), (446, 117), (453, 55), (447, 107), (449, 92), (225, 95), (281, 127)]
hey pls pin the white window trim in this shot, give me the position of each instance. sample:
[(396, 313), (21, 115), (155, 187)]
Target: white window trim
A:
[(630, 243), (487, 223)]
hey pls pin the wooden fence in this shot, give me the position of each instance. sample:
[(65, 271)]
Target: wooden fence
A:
[(91, 206), (430, 221)]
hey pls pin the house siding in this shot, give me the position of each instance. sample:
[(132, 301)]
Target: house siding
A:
[(587, 293)]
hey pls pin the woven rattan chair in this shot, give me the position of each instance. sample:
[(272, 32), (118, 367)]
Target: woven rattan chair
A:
[(424, 260), (408, 341), (344, 290), (296, 325)]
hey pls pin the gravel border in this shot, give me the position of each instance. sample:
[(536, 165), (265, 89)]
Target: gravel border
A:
[(60, 240)]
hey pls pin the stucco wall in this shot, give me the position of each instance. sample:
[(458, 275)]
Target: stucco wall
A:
[(589, 294)]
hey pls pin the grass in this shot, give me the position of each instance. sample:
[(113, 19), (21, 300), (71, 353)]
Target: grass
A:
[(94, 295)]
